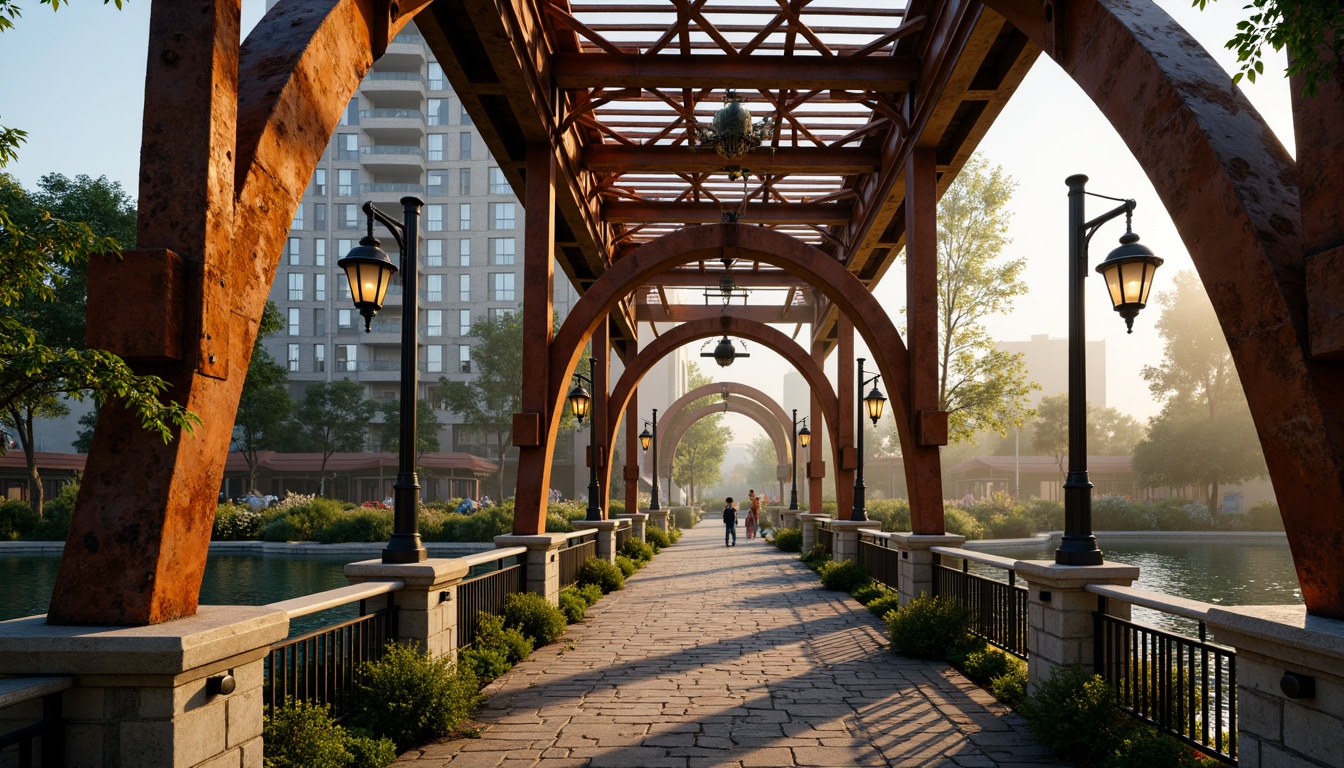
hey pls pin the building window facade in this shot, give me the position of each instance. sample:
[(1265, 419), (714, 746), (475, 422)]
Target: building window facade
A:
[(293, 323), (347, 147), (293, 357), (319, 287), (464, 288), (434, 322), (502, 251), (320, 357), (499, 185), (320, 252), (502, 215), (345, 181), (434, 358), (464, 322), (296, 286), (434, 287), (464, 216), (501, 286), (434, 253), (435, 147), (434, 218), (347, 357), (464, 359), (320, 181), (464, 253), (292, 246)]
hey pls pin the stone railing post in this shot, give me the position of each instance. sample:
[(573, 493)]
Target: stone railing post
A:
[(788, 518), (808, 521), (658, 519), (182, 693), (1060, 629), (915, 574), (426, 606), (846, 537), (638, 522), (606, 536), (1290, 684), (543, 561)]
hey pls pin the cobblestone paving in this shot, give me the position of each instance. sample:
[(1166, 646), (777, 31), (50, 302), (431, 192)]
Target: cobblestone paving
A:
[(714, 656)]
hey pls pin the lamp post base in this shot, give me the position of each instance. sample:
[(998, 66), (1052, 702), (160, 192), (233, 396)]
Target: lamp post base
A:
[(1079, 550)]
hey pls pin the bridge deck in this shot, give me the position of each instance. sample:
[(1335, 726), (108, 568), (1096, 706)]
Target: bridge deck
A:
[(733, 657)]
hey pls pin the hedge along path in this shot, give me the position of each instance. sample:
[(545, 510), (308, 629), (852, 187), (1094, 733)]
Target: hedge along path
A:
[(715, 656)]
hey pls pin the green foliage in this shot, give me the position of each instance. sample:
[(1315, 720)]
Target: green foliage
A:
[(299, 518), (881, 606), (367, 750), (537, 619), (17, 519), (573, 605), (1075, 715), (265, 406), (495, 649), (929, 628), (486, 663), (590, 593), (842, 576), (1146, 747), (1303, 27), (894, 514), (333, 416), (235, 522), (986, 664), (960, 522), (1265, 516), (638, 551), (357, 525), (299, 733), (815, 557), (674, 534), (481, 526), (789, 539), (410, 697), (601, 573), (867, 591), (762, 463), (426, 427), (626, 565), (1011, 686), (657, 538)]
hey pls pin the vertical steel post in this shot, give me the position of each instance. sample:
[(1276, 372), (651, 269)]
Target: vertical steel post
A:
[(793, 469), (653, 496), (405, 546), (594, 507), (859, 511)]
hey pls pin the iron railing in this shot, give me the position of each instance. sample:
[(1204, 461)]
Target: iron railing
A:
[(1184, 686), (825, 539), (879, 559), (40, 744), (580, 547), (486, 592), (320, 666), (998, 608), (623, 534)]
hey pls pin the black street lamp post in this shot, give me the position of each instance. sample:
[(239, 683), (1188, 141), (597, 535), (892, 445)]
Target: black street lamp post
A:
[(1128, 272), (580, 402), (370, 270), (872, 403), (645, 439), (799, 438)]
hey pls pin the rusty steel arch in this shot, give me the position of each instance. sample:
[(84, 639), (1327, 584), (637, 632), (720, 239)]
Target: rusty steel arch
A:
[(1230, 188), (753, 410), (707, 242)]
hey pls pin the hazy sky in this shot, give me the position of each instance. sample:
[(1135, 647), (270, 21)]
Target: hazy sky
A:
[(74, 80)]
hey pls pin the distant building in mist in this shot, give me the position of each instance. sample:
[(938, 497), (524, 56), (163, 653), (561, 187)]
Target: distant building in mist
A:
[(1047, 362)]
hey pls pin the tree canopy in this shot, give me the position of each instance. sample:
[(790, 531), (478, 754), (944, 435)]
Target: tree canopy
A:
[(426, 427), (333, 416), (1303, 28), (265, 406), (975, 281), (1109, 432)]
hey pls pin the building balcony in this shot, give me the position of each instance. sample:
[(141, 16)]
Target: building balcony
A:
[(393, 124), (406, 51), (393, 82), (391, 158), (391, 188)]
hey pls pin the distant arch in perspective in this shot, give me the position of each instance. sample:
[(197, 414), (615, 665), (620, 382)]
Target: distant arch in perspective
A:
[(682, 422)]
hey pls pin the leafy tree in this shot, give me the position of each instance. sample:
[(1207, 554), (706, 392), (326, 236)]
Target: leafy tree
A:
[(334, 416), (974, 282), (265, 405), (698, 462), (1303, 27), (1109, 432), (426, 428), (762, 464), (83, 442), (43, 357), (1204, 435)]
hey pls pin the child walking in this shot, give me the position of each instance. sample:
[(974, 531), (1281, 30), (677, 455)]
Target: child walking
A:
[(729, 522)]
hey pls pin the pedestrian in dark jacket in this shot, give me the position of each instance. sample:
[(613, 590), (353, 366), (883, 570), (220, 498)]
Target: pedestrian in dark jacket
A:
[(729, 522)]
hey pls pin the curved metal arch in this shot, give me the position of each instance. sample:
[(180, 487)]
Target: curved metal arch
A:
[(732, 388), (749, 408), (1230, 188)]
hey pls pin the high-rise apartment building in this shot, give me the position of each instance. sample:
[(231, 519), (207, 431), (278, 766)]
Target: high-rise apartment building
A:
[(403, 133)]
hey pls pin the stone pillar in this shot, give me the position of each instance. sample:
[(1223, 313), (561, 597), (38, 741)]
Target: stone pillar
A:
[(915, 576), (1059, 615), (1277, 724), (788, 518), (606, 536), (427, 605), (846, 546), (658, 519), (543, 561), (638, 521), (151, 696), (809, 522)]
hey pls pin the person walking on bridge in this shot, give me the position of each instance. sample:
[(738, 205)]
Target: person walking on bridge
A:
[(729, 522), (753, 513)]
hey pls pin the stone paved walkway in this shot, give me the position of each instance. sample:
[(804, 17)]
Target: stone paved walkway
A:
[(732, 657)]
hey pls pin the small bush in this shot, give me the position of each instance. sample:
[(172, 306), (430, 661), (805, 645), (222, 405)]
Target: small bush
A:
[(867, 591), (367, 750), (789, 539), (885, 604), (843, 576), (657, 538), (814, 557), (1265, 516), (638, 551), (929, 628), (605, 575), (485, 663), (627, 566), (573, 605), (674, 534), (282, 529), (1116, 513), (1075, 715), (235, 522), (537, 619), (1011, 686), (410, 698), (961, 522), (491, 633), (590, 593), (986, 664), (300, 734), (894, 514), (17, 519), (359, 525)]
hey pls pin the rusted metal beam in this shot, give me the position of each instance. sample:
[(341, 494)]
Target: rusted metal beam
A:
[(709, 278), (684, 313), (712, 213), (666, 159), (875, 73)]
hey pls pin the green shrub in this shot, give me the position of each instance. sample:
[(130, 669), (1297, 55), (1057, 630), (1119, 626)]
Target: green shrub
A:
[(1011, 686), (627, 566), (605, 575), (367, 750), (867, 591), (814, 557), (573, 605), (674, 534), (842, 576), (281, 529), (636, 550), (304, 515), (1116, 513), (1075, 715), (929, 628), (485, 663), (789, 539), (961, 522), (657, 538), (1046, 515), (590, 593), (300, 734), (410, 697), (894, 514), (17, 519), (881, 606), (985, 665), (61, 508), (1017, 524), (357, 525), (235, 522), (1265, 516), (491, 633), (537, 619)]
